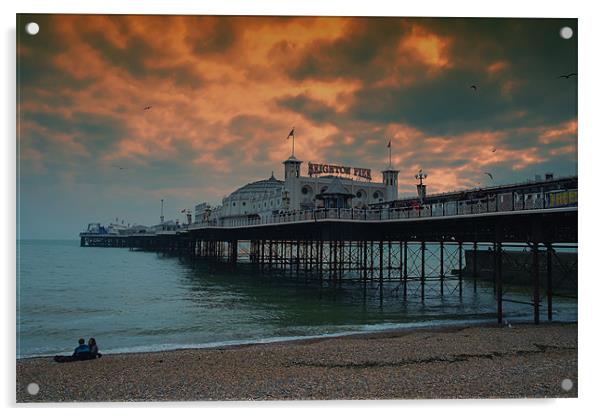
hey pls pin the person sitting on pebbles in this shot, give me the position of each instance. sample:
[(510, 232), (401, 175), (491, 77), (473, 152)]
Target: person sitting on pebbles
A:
[(93, 349), (82, 351)]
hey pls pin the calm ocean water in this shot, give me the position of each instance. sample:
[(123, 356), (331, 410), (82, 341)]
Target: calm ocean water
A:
[(140, 301)]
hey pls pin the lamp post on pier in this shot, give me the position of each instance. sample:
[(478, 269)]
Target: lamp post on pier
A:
[(421, 187)]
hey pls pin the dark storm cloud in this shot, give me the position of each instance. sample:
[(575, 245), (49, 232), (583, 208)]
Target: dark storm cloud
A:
[(210, 35), (251, 139), (313, 109), (95, 132), (139, 53), (444, 105), (131, 58), (354, 54), (447, 105), (36, 54), (524, 91)]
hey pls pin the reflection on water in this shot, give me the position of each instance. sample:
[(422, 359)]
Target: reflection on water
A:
[(137, 301)]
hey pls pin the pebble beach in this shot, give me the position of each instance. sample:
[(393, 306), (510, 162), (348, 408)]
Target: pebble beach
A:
[(522, 361)]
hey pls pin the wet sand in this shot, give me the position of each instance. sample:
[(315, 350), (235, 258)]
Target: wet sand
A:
[(459, 362)]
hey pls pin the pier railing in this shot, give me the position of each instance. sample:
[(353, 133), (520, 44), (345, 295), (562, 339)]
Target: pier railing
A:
[(489, 204)]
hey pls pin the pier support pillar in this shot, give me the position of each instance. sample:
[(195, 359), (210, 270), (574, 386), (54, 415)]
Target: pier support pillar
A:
[(298, 258), (233, 245), (380, 275), (474, 266), (320, 260), (363, 262), (535, 273), (371, 260), (460, 265), (401, 262), (422, 274), (380, 258), (441, 266), (262, 254), (497, 270), (389, 261), (549, 282)]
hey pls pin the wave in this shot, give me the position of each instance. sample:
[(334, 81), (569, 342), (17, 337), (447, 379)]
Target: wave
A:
[(359, 330)]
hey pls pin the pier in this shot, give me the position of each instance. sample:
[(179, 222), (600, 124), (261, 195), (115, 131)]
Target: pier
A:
[(338, 245)]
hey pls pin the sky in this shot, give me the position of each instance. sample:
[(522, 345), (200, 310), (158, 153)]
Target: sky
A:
[(225, 91)]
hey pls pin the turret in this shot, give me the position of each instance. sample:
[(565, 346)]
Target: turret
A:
[(292, 168), (390, 180), (292, 172)]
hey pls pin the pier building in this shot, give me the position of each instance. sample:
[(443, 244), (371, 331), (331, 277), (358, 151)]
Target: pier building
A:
[(324, 186)]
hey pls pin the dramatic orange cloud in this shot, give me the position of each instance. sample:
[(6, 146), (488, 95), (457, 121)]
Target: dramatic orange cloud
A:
[(497, 67), (564, 132), (427, 47)]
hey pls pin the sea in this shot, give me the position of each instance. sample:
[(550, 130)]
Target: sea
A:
[(134, 301)]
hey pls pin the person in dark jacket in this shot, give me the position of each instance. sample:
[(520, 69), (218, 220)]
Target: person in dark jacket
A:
[(82, 351), (93, 349)]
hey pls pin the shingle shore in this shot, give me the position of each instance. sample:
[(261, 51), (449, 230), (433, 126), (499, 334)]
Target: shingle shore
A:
[(461, 362)]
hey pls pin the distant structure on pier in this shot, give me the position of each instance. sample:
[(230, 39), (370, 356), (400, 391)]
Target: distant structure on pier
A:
[(325, 186)]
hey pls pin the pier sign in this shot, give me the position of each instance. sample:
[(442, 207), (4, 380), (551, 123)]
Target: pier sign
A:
[(318, 168)]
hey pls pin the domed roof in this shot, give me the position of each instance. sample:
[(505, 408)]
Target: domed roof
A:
[(259, 187)]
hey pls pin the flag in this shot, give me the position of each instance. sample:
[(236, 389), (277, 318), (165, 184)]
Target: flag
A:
[(389, 145), (292, 133)]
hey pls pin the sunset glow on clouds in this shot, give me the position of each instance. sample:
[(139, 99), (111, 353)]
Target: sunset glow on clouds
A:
[(225, 92)]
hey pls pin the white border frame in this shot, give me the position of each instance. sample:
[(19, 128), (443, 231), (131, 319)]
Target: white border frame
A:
[(589, 149)]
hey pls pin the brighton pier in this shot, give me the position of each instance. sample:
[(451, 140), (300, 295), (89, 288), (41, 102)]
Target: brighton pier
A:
[(420, 242)]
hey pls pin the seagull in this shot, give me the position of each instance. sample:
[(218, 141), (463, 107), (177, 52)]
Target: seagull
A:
[(567, 76), (148, 107), (474, 87), (489, 174)]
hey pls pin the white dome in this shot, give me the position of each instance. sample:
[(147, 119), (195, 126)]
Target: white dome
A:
[(259, 187)]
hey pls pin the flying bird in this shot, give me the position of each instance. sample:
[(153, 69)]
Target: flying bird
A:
[(493, 150), (119, 167), (474, 87), (567, 76), (489, 174), (148, 107)]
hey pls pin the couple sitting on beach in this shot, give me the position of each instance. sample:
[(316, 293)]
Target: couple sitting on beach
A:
[(82, 352)]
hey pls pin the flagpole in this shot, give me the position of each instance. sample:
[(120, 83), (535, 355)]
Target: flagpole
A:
[(389, 154), (389, 146)]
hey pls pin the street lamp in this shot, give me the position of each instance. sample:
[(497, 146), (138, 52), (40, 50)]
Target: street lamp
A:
[(421, 188)]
